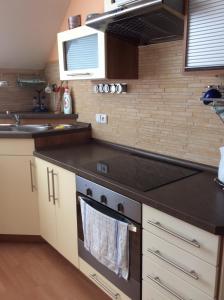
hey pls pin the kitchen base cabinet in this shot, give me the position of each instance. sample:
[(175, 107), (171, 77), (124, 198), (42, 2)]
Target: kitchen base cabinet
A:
[(150, 293), (180, 261), (221, 283), (46, 208), (112, 291), (57, 206), (18, 196), (169, 284)]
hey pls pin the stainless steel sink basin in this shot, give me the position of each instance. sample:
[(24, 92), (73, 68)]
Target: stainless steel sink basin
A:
[(35, 128), (25, 128)]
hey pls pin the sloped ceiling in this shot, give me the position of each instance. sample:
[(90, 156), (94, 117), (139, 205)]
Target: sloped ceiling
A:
[(28, 31)]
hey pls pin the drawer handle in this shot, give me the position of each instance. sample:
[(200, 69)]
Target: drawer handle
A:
[(157, 253), (157, 280), (48, 184), (53, 186), (104, 287), (33, 187), (177, 235)]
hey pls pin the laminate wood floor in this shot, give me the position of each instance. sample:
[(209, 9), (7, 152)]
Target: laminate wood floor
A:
[(35, 271)]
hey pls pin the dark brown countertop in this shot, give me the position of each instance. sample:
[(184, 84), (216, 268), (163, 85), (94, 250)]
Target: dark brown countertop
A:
[(42, 115), (77, 127), (196, 199)]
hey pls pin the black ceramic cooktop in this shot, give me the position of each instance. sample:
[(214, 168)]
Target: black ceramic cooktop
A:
[(140, 173)]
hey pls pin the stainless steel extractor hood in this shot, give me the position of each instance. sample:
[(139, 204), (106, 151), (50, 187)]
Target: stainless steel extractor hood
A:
[(143, 21)]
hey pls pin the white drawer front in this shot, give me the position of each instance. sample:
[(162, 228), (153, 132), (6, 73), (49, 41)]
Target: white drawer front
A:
[(169, 284), (150, 293), (186, 236), (195, 271), (104, 284)]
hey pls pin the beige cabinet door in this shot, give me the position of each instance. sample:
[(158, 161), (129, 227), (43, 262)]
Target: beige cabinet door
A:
[(57, 206), (46, 205), (18, 196), (65, 194)]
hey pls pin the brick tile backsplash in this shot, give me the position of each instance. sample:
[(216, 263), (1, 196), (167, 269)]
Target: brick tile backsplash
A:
[(161, 111), (13, 98)]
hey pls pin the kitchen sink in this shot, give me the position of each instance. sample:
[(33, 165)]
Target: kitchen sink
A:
[(25, 128), (34, 128)]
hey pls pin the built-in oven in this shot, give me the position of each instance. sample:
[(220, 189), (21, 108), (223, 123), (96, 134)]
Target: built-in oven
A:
[(118, 207)]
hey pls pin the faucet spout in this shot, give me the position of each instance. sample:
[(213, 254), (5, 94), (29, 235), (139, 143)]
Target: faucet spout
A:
[(17, 119)]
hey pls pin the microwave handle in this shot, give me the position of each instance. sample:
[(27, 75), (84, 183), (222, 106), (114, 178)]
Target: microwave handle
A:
[(78, 74), (131, 226)]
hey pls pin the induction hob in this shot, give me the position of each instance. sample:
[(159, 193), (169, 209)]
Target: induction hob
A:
[(142, 174)]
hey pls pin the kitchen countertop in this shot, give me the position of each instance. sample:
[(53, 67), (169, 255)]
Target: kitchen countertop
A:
[(196, 199), (43, 115), (77, 127)]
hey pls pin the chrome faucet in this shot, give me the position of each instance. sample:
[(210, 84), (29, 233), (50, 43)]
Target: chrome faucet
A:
[(17, 119)]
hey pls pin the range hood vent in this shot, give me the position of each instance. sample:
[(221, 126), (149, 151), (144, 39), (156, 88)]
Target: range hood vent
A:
[(143, 22)]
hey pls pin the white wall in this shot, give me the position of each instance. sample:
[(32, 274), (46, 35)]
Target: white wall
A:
[(28, 31)]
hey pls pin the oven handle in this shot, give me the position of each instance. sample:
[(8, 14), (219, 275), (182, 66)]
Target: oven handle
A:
[(131, 226)]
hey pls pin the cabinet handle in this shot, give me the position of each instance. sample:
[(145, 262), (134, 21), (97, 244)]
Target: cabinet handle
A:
[(79, 74), (104, 287), (191, 273), (192, 242), (53, 186), (48, 184), (33, 187), (157, 280)]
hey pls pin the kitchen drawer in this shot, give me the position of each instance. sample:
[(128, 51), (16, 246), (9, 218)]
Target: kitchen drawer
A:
[(192, 239), (112, 291), (169, 284), (16, 147), (150, 293), (195, 271)]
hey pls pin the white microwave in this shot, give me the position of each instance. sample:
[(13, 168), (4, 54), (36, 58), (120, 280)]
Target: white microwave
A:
[(81, 54)]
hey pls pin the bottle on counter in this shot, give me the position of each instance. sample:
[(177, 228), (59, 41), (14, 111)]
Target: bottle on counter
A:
[(43, 107), (36, 105), (67, 101)]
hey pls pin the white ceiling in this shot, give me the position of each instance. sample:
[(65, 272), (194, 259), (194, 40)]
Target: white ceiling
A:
[(28, 31)]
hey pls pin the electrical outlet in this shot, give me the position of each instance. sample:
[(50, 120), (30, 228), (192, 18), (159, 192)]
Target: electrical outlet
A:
[(101, 118), (98, 118)]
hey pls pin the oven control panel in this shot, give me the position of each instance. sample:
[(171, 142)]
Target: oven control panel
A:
[(118, 202)]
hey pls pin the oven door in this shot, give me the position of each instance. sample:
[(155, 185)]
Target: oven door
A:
[(132, 286)]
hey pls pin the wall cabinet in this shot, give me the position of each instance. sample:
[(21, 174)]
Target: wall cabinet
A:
[(18, 196), (204, 35), (86, 53), (57, 208)]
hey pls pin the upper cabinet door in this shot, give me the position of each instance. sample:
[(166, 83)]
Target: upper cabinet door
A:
[(205, 35), (86, 53), (81, 54)]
